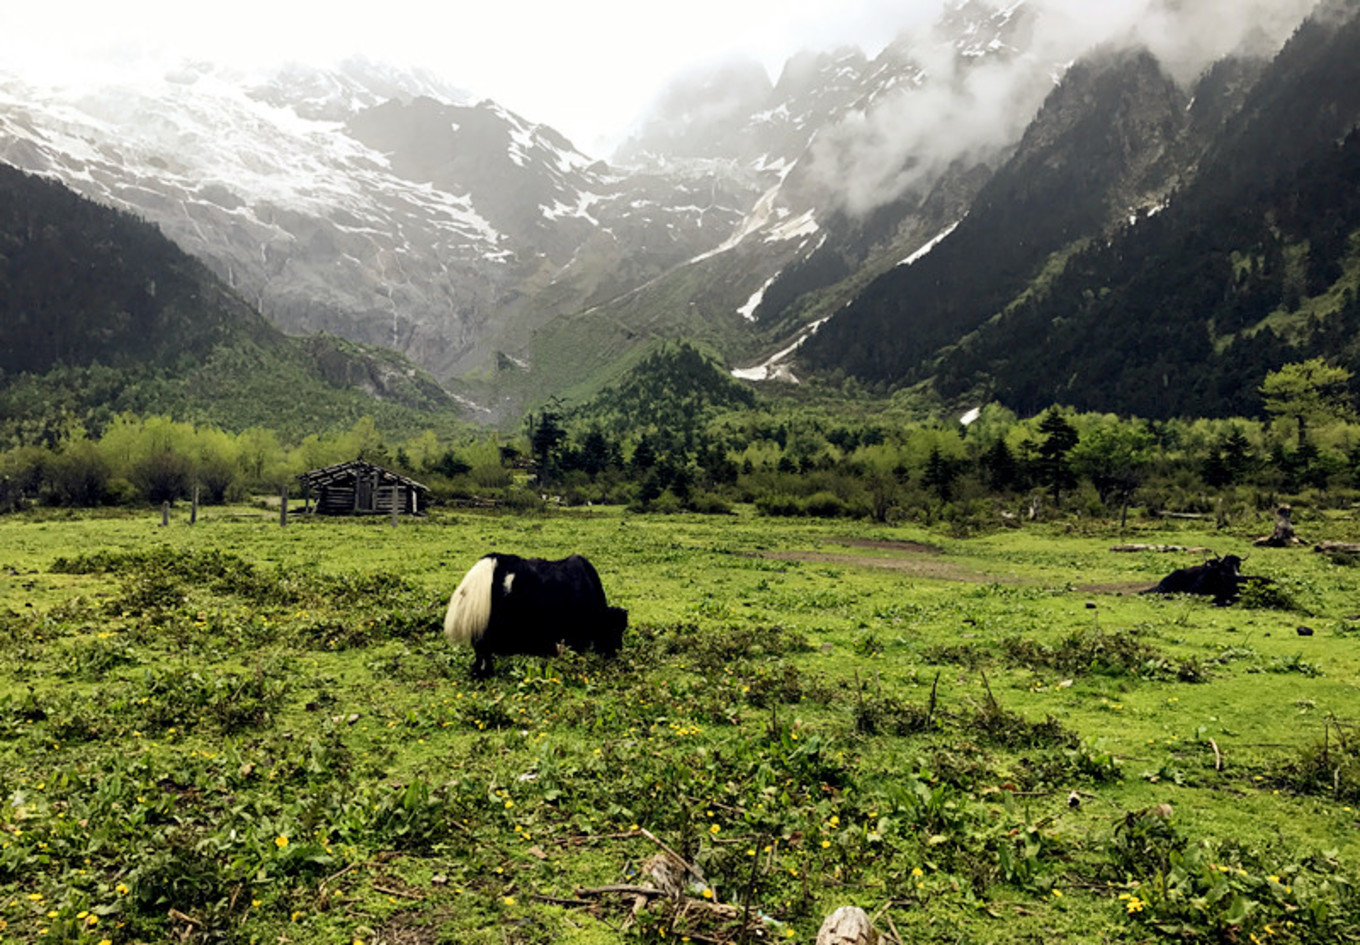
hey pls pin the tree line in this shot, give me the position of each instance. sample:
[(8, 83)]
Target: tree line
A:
[(863, 459)]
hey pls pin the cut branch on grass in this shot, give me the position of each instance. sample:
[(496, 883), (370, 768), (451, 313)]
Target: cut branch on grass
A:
[(560, 901), (930, 706), (181, 917), (400, 893)]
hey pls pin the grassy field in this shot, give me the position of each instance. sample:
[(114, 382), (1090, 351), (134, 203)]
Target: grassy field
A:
[(244, 733)]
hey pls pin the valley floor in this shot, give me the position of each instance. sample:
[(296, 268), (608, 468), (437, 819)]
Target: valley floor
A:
[(234, 731)]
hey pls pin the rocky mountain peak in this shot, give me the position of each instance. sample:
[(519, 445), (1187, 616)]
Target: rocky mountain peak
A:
[(354, 84)]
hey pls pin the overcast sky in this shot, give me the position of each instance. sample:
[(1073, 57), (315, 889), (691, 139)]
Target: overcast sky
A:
[(586, 67)]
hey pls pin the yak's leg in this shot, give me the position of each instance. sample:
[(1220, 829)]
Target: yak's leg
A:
[(481, 663)]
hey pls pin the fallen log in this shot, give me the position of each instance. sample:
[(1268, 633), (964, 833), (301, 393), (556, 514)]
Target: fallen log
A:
[(1337, 547), (1162, 549)]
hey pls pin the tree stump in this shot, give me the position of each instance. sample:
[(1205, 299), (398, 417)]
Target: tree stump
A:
[(848, 925), (1283, 535)]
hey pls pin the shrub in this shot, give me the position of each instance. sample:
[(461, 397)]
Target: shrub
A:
[(824, 505), (162, 477), (1329, 766), (779, 505), (77, 476)]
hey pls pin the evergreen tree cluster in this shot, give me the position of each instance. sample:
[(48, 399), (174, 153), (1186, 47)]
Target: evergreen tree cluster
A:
[(81, 283)]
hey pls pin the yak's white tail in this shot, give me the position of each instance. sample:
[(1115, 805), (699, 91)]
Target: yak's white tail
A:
[(470, 606)]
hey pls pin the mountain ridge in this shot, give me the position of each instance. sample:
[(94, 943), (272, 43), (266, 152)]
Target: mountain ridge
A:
[(844, 206)]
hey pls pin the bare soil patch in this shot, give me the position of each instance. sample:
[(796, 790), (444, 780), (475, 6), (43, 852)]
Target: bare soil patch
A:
[(884, 544), (917, 567)]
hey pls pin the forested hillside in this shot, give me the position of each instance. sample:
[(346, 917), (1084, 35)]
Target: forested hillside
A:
[(1109, 118), (100, 313), (1248, 261), (1251, 265), (81, 283)]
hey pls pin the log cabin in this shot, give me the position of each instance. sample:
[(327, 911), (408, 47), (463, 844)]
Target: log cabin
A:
[(362, 488)]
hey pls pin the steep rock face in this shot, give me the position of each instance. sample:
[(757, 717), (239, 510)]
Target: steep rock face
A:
[(520, 177), (707, 114)]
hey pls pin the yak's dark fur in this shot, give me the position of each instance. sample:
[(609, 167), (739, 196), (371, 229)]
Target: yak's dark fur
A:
[(508, 604), (1219, 578)]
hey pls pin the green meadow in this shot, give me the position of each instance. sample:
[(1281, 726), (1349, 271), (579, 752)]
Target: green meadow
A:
[(240, 732)]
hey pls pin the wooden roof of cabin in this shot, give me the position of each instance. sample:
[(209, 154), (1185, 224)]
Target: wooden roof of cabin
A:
[(342, 471)]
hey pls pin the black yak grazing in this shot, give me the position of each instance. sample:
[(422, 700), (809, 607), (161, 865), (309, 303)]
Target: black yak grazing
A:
[(507, 604), (1219, 578)]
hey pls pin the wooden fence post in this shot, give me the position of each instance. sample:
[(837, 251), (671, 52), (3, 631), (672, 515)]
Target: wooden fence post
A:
[(193, 511), (165, 514), (283, 503), (397, 499)]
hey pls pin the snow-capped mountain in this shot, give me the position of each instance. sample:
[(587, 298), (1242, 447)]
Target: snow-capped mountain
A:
[(375, 204), (386, 206)]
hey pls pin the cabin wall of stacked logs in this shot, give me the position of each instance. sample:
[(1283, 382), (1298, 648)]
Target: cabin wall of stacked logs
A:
[(363, 494)]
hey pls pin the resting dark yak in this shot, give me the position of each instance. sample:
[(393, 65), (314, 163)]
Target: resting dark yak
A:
[(507, 604), (1219, 578)]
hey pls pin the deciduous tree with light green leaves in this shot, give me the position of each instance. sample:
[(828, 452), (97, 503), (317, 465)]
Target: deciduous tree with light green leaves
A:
[(1309, 392)]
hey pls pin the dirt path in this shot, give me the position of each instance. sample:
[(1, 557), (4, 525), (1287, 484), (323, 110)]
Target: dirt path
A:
[(884, 544)]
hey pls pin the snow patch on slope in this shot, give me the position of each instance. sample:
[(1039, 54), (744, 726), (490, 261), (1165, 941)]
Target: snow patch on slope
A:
[(748, 311), (930, 244), (776, 367)]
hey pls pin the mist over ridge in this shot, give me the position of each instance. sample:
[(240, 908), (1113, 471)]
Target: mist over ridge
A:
[(972, 96)]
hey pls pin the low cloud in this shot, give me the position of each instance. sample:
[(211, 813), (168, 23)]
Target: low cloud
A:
[(970, 109)]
